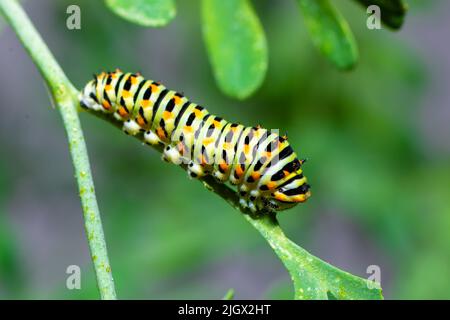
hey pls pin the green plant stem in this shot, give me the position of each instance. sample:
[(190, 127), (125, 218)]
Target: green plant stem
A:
[(66, 101)]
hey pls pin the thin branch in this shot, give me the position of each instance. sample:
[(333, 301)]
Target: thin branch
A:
[(66, 101)]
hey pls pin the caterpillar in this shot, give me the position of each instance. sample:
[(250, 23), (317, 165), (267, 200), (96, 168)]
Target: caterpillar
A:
[(260, 162)]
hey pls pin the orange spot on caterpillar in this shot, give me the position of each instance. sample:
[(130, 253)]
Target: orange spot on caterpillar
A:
[(106, 105), (167, 115), (154, 87), (256, 175), (140, 120), (280, 196), (181, 148), (271, 185), (223, 166), (160, 133), (122, 111), (301, 197), (177, 100), (145, 103), (239, 170), (108, 87)]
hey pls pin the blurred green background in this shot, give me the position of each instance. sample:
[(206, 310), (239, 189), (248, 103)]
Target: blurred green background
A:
[(376, 139)]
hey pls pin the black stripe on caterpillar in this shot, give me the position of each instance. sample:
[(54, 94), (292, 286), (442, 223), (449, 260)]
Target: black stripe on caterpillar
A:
[(261, 163)]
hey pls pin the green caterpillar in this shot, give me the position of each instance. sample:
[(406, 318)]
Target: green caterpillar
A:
[(260, 162)]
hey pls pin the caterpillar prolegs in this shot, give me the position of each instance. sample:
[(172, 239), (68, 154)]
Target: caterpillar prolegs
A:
[(259, 162)]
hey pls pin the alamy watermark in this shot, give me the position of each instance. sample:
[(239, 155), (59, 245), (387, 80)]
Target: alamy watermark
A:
[(73, 281), (73, 21), (374, 18), (374, 280)]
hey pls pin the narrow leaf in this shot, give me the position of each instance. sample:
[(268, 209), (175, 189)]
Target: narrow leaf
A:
[(236, 45), (330, 32), (392, 11), (312, 277), (229, 295), (148, 13)]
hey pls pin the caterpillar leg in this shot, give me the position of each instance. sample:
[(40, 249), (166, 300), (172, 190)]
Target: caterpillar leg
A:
[(246, 203), (244, 199), (131, 127), (250, 198), (151, 138), (195, 170), (172, 155)]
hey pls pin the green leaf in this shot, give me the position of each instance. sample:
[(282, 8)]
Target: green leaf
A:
[(236, 45), (312, 277), (330, 32), (392, 11), (148, 13), (229, 295)]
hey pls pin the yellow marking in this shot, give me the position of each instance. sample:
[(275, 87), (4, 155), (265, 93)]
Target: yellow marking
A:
[(299, 198), (271, 185), (286, 173), (134, 80), (197, 113), (246, 149), (108, 87), (216, 123), (226, 146), (126, 94), (167, 115), (268, 154), (207, 141), (154, 87), (146, 103), (177, 100), (188, 129), (280, 196)]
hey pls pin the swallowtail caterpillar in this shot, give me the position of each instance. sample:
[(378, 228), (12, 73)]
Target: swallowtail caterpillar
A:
[(261, 163)]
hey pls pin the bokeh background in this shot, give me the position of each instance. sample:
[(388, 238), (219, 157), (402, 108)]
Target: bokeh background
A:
[(377, 139)]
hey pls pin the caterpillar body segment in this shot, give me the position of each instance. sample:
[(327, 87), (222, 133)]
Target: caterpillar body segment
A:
[(259, 162)]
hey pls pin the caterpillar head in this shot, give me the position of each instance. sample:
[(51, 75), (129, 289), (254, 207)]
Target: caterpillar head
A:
[(291, 193)]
